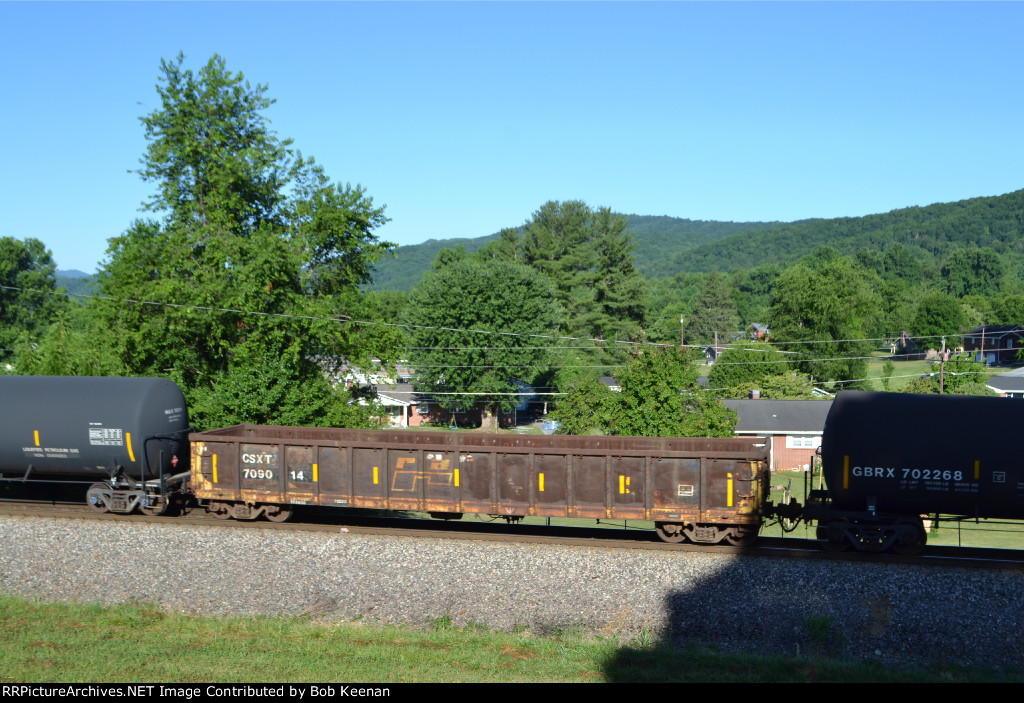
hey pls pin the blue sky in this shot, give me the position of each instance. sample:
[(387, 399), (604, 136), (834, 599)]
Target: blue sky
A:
[(463, 118)]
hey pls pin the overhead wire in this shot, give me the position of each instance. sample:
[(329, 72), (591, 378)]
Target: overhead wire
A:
[(598, 344)]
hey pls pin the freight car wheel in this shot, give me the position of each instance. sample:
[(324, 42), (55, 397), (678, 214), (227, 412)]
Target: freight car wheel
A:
[(158, 507), (670, 532), (278, 513), (834, 536), (913, 540), (741, 536), (221, 511), (95, 497)]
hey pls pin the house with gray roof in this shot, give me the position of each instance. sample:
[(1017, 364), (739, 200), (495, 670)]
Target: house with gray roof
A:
[(795, 428), (994, 344), (1009, 384)]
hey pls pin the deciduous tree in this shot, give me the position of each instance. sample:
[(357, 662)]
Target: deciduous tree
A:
[(938, 315), (819, 313), (476, 327), (248, 277), (658, 398), (28, 303)]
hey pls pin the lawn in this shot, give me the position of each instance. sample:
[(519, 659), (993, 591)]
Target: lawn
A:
[(74, 643)]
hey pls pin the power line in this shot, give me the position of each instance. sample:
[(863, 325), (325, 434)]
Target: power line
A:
[(339, 318), (600, 344)]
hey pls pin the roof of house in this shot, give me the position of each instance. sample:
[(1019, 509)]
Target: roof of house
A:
[(401, 394), (780, 416), (1011, 381), (994, 330)]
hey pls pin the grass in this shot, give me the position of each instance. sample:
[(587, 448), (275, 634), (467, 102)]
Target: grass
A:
[(906, 371), (60, 642)]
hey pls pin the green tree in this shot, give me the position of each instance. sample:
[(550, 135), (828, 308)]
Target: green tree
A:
[(253, 267), (588, 407), (975, 271), (557, 242), (28, 292), (505, 248), (900, 262), (1008, 310), (887, 370), (895, 309), (668, 301), (753, 289), (960, 375), (588, 255), (385, 305), (658, 398), (785, 386), (747, 364), (620, 291), (69, 348), (476, 327), (820, 314), (714, 316), (939, 314)]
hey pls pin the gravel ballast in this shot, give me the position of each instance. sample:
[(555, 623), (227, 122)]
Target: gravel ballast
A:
[(862, 610)]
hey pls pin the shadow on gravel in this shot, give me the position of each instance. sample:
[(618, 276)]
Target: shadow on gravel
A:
[(866, 615)]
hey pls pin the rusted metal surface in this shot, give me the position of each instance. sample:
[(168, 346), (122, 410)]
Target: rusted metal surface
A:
[(685, 481)]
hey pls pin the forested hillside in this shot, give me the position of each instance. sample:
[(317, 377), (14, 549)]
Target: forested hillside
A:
[(654, 236), (667, 246), (929, 232)]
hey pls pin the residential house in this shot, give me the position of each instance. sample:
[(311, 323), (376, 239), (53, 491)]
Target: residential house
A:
[(1009, 384), (995, 344), (795, 428)]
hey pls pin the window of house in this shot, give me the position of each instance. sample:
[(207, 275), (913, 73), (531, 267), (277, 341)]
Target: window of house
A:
[(802, 441)]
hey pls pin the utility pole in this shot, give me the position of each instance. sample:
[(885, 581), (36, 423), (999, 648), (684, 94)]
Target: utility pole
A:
[(682, 327), (942, 367)]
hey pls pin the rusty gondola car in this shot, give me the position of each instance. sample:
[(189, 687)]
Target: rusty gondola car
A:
[(703, 489)]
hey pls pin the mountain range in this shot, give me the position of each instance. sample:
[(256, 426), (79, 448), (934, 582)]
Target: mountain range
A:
[(666, 246)]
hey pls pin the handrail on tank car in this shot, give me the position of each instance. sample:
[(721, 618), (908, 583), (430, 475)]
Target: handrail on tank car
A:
[(160, 475)]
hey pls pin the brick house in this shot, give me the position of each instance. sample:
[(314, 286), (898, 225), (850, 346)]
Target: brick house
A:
[(795, 427), (407, 408), (995, 344)]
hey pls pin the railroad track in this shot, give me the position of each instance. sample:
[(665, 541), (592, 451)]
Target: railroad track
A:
[(607, 538)]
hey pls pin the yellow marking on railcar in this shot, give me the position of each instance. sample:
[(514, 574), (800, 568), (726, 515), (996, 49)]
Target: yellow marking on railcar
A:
[(456, 478), (375, 475), (541, 483), (315, 468), (623, 484), (728, 482), (36, 433), (977, 469), (846, 471), (131, 454), (215, 468)]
